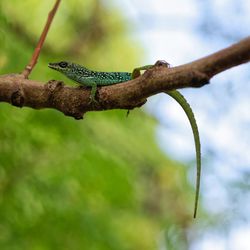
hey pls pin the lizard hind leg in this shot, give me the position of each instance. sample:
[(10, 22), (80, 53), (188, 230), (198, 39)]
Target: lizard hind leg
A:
[(137, 71)]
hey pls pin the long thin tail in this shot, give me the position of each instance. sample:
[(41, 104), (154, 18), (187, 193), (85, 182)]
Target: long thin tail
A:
[(187, 109)]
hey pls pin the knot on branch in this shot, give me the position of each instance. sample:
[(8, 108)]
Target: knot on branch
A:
[(53, 87), (162, 63), (198, 78), (76, 115), (58, 97), (17, 98)]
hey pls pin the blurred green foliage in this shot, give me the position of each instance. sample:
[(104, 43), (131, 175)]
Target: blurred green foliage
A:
[(99, 183)]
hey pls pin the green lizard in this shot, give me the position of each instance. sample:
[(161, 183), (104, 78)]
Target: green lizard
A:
[(93, 79)]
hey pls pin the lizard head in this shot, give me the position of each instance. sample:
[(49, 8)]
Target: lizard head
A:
[(63, 67), (73, 71)]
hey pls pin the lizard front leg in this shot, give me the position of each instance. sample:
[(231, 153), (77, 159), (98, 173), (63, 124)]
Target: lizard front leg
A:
[(92, 97), (93, 93)]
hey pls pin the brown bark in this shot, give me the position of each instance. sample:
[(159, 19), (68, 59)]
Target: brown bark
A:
[(74, 101)]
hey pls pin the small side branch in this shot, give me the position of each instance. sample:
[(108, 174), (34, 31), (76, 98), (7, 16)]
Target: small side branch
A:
[(26, 72)]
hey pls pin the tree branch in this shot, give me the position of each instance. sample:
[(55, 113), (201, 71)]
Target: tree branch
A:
[(74, 101), (26, 72)]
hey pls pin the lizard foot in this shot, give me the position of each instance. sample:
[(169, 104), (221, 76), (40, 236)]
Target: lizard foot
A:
[(93, 101)]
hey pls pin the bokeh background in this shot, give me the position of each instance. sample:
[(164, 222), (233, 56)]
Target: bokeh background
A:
[(111, 182)]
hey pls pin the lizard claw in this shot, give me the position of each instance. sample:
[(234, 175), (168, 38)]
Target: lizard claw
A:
[(93, 101)]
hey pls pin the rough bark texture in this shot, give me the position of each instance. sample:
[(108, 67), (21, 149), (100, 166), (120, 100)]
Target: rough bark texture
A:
[(74, 101)]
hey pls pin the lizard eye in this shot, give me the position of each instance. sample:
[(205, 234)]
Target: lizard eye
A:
[(63, 64)]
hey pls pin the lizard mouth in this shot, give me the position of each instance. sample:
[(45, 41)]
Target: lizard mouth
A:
[(52, 65), (58, 65)]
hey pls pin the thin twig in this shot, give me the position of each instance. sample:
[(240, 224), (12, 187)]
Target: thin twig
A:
[(26, 72)]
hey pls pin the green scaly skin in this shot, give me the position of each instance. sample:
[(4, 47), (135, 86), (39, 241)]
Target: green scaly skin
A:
[(88, 77), (187, 109), (93, 79)]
